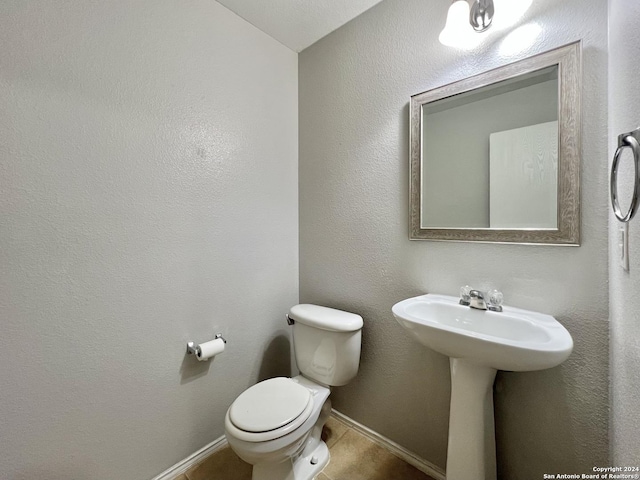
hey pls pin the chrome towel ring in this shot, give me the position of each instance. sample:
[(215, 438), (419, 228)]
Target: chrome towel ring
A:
[(626, 140)]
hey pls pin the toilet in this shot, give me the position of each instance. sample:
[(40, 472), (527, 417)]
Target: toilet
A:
[(276, 424)]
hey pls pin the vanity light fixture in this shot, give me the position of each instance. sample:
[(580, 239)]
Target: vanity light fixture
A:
[(457, 31), (464, 22), (481, 15)]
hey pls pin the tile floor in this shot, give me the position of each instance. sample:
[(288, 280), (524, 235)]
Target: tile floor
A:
[(353, 457)]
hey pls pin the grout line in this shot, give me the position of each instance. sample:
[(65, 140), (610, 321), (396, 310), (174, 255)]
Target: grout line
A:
[(337, 440), (399, 451), (317, 477)]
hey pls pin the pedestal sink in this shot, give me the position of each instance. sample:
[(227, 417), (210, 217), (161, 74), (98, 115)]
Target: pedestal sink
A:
[(478, 343)]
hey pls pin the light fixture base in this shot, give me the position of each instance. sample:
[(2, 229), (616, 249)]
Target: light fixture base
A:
[(481, 15)]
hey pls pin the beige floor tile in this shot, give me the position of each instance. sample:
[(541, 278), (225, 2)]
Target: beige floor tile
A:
[(222, 465), (354, 457), (180, 477), (333, 430)]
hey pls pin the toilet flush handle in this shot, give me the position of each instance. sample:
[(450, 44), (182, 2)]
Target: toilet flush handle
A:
[(290, 321)]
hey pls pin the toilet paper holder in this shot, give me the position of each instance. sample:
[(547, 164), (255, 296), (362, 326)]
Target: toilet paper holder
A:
[(193, 348)]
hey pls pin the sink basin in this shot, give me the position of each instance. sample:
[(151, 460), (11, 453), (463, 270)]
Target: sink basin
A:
[(514, 339), (478, 343)]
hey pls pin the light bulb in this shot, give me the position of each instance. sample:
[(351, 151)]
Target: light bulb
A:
[(457, 31)]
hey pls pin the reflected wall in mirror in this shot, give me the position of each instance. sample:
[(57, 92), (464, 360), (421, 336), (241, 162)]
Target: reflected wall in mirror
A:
[(509, 143), (496, 157)]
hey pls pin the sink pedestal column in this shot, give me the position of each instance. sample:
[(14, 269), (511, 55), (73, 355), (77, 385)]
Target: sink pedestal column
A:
[(471, 452)]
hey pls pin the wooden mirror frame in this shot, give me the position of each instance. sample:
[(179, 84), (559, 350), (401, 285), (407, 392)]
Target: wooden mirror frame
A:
[(569, 62)]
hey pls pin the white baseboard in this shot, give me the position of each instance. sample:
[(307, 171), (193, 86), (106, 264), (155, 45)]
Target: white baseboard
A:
[(196, 457), (399, 451)]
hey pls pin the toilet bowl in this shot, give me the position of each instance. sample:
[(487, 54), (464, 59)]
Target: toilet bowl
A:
[(276, 425), (296, 443)]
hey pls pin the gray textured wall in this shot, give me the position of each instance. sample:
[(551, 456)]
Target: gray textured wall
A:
[(624, 116), (355, 254), (148, 171)]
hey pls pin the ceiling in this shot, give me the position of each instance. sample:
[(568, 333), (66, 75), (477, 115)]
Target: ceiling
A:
[(298, 23)]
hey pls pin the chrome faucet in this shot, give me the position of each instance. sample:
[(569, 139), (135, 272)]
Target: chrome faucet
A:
[(476, 300)]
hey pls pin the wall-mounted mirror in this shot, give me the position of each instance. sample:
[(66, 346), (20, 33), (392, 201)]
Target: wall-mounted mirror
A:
[(496, 157)]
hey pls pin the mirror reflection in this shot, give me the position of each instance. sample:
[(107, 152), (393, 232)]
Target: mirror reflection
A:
[(490, 156)]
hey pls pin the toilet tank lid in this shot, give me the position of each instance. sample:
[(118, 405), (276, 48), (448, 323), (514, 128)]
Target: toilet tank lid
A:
[(326, 318)]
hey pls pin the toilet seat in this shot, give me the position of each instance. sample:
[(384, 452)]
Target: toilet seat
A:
[(269, 410)]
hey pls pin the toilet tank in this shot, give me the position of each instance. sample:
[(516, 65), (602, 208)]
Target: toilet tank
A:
[(326, 343)]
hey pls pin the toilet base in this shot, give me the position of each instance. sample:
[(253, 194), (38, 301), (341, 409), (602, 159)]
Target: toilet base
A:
[(301, 468)]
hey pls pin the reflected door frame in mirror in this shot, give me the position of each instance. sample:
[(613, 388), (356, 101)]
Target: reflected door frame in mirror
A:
[(569, 62)]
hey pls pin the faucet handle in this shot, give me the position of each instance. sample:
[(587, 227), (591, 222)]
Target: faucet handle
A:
[(495, 299), (465, 295)]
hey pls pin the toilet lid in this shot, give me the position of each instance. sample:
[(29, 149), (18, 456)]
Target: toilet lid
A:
[(269, 405)]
